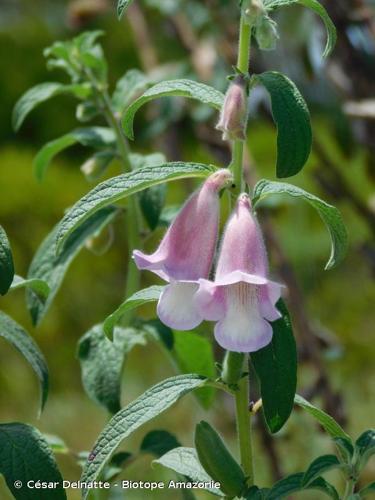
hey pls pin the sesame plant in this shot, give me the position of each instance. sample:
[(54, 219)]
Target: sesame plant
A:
[(209, 272)]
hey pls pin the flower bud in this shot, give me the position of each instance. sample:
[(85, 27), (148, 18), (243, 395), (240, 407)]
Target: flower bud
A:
[(95, 166), (251, 10), (234, 113), (266, 33)]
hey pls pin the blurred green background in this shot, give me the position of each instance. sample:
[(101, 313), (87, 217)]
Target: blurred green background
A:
[(185, 38)]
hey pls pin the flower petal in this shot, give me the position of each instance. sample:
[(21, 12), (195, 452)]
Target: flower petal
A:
[(153, 262), (268, 296), (210, 300), (243, 329), (176, 306)]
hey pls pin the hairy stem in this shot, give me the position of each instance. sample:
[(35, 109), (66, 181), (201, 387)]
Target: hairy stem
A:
[(133, 218), (243, 65), (235, 360), (244, 428)]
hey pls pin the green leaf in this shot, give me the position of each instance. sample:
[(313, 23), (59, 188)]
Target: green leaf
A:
[(56, 444), (25, 456), (276, 369), (292, 119), (345, 449), (40, 93), (319, 466), (124, 185), (128, 88), (159, 332), (159, 442), (292, 484), (150, 404), (144, 296), (365, 447), (255, 493), (315, 6), (6, 263), (367, 490), (151, 200), (183, 88), (51, 268), (326, 421), (217, 461), (95, 137), (21, 340), (102, 363), (185, 461), (122, 5), (39, 286), (194, 354), (328, 213)]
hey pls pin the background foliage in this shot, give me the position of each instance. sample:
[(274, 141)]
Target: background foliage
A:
[(340, 170)]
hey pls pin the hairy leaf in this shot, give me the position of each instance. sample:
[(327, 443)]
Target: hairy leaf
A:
[(25, 456), (365, 446), (185, 461), (144, 296), (159, 442), (95, 137), (326, 421), (102, 363), (124, 185), (183, 88), (39, 286), (319, 466), (315, 6), (292, 118), (217, 461), (122, 5), (21, 340), (42, 92), (151, 200), (6, 263), (128, 88), (194, 354), (345, 449), (367, 490), (276, 369), (51, 268), (329, 214), (150, 404), (293, 483)]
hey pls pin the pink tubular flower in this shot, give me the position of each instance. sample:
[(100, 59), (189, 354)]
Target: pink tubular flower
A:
[(234, 113), (186, 252), (241, 299)]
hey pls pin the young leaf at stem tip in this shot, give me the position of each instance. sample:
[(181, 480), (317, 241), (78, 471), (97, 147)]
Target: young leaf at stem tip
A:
[(330, 215)]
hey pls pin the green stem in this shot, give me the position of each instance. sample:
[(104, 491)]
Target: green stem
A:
[(133, 218), (349, 488), (232, 367), (235, 360), (243, 60), (244, 428)]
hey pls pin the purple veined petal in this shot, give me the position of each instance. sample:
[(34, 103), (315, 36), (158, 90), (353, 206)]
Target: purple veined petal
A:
[(210, 300), (153, 262), (268, 296), (242, 246), (238, 276), (177, 308), (187, 248), (243, 329)]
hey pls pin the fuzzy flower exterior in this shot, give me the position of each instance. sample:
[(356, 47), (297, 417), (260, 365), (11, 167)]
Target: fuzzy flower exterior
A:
[(242, 300), (234, 113), (185, 254)]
